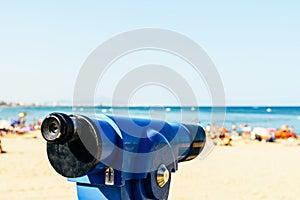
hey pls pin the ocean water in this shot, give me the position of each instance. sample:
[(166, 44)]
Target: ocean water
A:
[(268, 117)]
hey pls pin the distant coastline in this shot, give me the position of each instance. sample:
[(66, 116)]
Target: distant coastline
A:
[(61, 104), (139, 106)]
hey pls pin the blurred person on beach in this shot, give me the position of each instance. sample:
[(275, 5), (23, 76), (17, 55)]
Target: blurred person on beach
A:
[(285, 132), (207, 129), (246, 131), (262, 134), (233, 129), (4, 127), (33, 127), (213, 131), (225, 139), (38, 124), (19, 124), (1, 149), (292, 132)]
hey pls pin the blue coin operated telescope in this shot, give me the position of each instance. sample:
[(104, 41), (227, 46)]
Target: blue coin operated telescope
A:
[(113, 157)]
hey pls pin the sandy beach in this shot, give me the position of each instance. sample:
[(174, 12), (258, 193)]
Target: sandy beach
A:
[(244, 171)]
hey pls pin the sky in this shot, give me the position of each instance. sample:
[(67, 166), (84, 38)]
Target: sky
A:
[(255, 46)]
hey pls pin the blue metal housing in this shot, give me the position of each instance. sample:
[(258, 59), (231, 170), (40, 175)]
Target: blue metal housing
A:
[(118, 157)]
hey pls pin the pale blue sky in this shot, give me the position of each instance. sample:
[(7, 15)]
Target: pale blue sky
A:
[(254, 44)]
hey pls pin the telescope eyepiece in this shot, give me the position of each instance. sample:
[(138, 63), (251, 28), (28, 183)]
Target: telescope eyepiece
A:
[(51, 129), (57, 128)]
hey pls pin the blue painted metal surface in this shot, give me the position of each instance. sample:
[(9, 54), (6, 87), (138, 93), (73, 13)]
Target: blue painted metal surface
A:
[(126, 150)]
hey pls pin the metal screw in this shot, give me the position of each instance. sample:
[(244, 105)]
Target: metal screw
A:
[(162, 176)]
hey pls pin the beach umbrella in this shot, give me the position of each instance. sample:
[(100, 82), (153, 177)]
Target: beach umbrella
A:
[(22, 114)]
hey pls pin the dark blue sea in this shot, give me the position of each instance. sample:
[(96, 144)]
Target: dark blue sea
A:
[(268, 117)]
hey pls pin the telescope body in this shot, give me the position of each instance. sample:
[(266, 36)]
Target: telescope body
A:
[(113, 157)]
